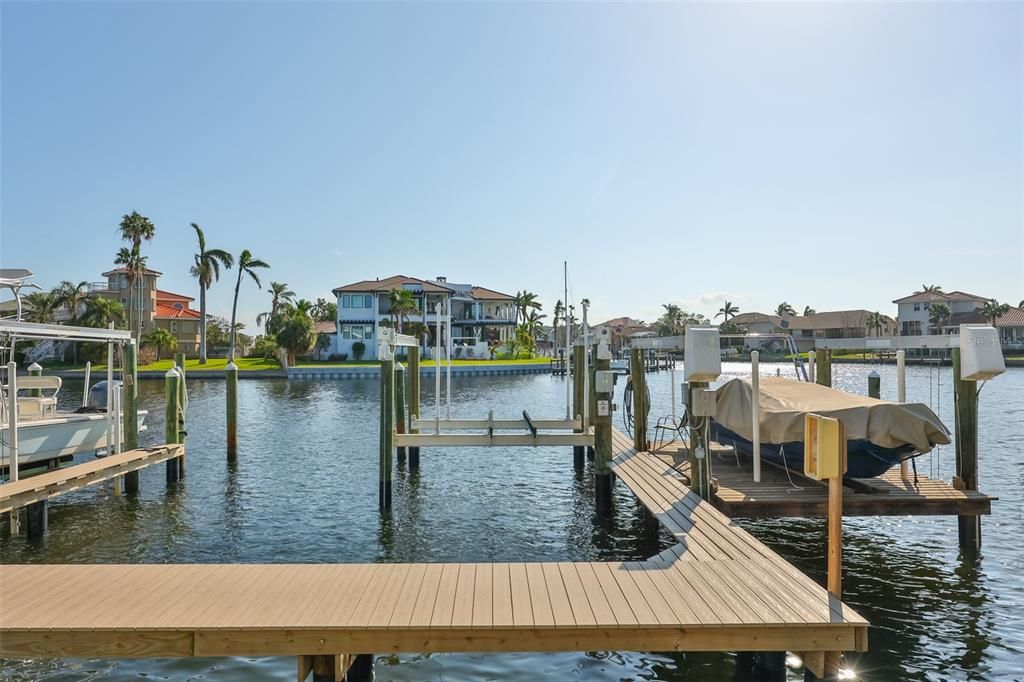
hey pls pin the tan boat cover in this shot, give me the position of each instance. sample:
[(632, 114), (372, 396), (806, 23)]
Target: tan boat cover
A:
[(784, 402)]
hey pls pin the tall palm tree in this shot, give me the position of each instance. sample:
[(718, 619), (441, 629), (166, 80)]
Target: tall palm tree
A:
[(727, 311), (136, 228), (134, 264), (524, 302), (247, 265), (993, 310), (931, 288), (559, 316), (938, 315), (808, 310), (785, 309), (534, 324), (280, 295), (43, 306), (671, 321), (206, 269), (402, 305)]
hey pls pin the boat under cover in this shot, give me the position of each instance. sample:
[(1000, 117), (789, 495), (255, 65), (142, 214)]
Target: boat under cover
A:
[(879, 433)]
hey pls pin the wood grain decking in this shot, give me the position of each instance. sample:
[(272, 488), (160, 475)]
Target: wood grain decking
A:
[(719, 589)]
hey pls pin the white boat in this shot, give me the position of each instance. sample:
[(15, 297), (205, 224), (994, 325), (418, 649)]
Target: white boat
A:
[(58, 438)]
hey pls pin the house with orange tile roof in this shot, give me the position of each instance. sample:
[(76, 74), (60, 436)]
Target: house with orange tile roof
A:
[(159, 308)]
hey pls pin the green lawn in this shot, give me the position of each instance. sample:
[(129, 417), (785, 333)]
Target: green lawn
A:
[(455, 363), (213, 364)]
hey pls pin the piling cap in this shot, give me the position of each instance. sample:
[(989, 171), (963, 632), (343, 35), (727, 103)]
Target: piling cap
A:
[(35, 367), (873, 374), (231, 367), (171, 374)]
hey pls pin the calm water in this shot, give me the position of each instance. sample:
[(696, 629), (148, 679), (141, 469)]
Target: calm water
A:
[(304, 490)]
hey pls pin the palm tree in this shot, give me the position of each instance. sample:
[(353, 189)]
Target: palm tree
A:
[(672, 320), (523, 302), (136, 228), (43, 306), (280, 294), (808, 310), (247, 265), (875, 321), (402, 303), (931, 288), (785, 309), (559, 316), (727, 311), (938, 315), (1021, 304), (534, 324), (100, 312), (161, 338), (206, 269), (71, 297), (993, 310)]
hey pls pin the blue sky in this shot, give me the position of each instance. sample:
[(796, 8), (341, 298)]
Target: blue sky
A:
[(836, 156)]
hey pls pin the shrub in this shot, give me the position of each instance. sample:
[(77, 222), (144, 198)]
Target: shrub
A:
[(338, 357), (358, 348)]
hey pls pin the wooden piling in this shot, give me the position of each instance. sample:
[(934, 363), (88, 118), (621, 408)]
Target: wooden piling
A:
[(130, 408), (414, 402), (699, 450), (171, 394), (400, 407), (602, 444), (179, 362), (36, 519), (823, 365), (387, 425), (874, 385), (578, 397), (638, 378), (231, 402), (965, 400)]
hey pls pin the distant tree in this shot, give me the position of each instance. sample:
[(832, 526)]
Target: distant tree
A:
[(247, 265), (727, 311), (42, 306), (160, 338), (217, 331), (135, 228), (324, 310), (402, 305), (671, 321), (808, 310), (264, 347), (785, 309), (71, 297), (280, 295), (534, 325), (525, 301), (296, 335), (206, 269), (101, 312), (993, 310), (931, 288), (875, 322), (938, 316)]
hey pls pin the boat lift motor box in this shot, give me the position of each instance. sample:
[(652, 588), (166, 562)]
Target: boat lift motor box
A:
[(703, 356), (824, 447), (981, 354)]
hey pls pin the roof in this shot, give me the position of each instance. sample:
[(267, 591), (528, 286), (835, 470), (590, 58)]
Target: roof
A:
[(169, 312), (390, 284), (325, 327), (162, 295), (1013, 318), (620, 322), (483, 294), (115, 271), (830, 319), (929, 296), (750, 318)]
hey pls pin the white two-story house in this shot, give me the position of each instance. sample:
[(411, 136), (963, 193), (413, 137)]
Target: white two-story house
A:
[(479, 315), (914, 316)]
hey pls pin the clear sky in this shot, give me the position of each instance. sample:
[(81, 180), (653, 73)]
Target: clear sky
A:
[(837, 156)]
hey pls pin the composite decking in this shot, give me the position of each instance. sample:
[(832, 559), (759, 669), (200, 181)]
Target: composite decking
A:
[(719, 589), (33, 489), (784, 493)]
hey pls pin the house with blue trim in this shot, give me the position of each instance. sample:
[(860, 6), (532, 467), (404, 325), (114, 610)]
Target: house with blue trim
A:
[(480, 316)]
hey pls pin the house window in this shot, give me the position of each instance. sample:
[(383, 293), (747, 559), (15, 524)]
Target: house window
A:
[(357, 332), (917, 306), (346, 301), (174, 327), (178, 306), (124, 302)]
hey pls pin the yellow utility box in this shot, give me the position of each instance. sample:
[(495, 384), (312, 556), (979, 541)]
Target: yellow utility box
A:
[(824, 447)]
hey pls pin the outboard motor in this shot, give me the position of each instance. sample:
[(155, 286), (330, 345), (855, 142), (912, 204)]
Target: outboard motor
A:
[(98, 396)]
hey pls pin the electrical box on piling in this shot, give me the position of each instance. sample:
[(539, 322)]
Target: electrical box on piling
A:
[(703, 356), (981, 354), (824, 447)]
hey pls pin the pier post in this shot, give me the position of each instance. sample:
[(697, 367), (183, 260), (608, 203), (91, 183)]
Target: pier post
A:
[(639, 381), (179, 362), (35, 370), (874, 385), (361, 669), (400, 407), (231, 402), (603, 439), (387, 425), (171, 393), (965, 400), (700, 478), (130, 408), (414, 402), (12, 437), (36, 520), (577, 401), (823, 365), (901, 396)]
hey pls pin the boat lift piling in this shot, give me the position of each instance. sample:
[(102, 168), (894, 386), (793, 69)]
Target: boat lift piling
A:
[(130, 396), (179, 366), (171, 433), (901, 396), (578, 398), (604, 394), (965, 398), (12, 435), (231, 405), (400, 426), (414, 402), (874, 385)]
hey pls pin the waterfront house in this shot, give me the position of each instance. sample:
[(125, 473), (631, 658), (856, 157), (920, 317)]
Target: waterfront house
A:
[(159, 308), (914, 311), (480, 316), (804, 329)]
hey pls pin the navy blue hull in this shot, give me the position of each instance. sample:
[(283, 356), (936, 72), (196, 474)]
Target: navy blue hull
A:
[(864, 458)]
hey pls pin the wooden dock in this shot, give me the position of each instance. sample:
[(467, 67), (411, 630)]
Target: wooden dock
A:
[(719, 589), (67, 479), (783, 493)]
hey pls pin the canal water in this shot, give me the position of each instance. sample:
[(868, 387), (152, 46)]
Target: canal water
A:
[(304, 489)]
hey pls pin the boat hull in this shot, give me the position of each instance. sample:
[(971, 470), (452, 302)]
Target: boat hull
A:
[(60, 437), (864, 458)]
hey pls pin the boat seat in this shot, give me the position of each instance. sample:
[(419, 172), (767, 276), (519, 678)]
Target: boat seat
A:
[(38, 405)]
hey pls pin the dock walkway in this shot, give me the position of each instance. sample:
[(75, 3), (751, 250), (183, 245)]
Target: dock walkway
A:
[(719, 589), (41, 487)]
